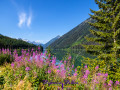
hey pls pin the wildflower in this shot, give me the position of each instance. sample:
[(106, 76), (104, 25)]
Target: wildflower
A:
[(62, 74), (99, 74), (68, 68), (75, 74), (117, 82), (12, 65), (49, 71), (85, 76), (58, 71), (38, 48), (72, 66), (85, 66), (29, 60), (105, 74), (57, 66), (53, 62), (96, 68), (110, 88), (104, 79), (87, 72), (65, 61), (75, 70), (62, 66), (105, 84), (49, 55), (32, 49), (45, 51), (110, 83), (27, 68), (69, 74), (69, 58)]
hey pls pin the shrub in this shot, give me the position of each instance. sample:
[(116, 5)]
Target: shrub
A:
[(5, 58)]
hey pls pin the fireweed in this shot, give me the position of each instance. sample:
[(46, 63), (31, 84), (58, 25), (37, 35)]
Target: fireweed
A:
[(36, 67)]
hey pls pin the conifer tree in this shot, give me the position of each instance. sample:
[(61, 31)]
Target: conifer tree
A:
[(105, 30)]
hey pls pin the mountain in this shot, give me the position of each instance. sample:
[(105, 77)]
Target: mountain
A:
[(7, 42), (74, 37), (33, 42), (51, 41)]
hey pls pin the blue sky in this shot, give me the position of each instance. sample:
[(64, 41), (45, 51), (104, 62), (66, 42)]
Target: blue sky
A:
[(42, 20)]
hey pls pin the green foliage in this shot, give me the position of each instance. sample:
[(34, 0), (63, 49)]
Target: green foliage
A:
[(106, 34), (7, 42), (5, 58), (2, 82)]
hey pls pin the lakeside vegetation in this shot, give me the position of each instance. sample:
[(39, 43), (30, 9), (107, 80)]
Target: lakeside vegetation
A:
[(26, 72)]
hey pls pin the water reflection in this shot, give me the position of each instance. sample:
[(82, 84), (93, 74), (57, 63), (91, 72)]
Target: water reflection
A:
[(77, 55)]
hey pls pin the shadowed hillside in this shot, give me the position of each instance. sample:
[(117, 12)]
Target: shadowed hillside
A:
[(73, 37)]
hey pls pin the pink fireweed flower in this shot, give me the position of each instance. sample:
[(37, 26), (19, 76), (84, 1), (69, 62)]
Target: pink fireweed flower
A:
[(106, 74), (117, 82), (69, 58), (27, 54), (29, 60), (58, 71), (68, 68), (87, 72), (57, 66), (105, 79), (68, 74), (96, 68), (63, 73), (49, 71), (28, 50), (49, 55), (99, 74), (75, 70), (38, 48), (12, 65), (95, 81), (33, 54), (110, 88), (75, 74), (32, 49), (110, 83), (105, 84), (65, 61), (85, 66), (62, 66), (61, 61), (72, 66), (45, 51), (53, 62), (85, 76), (27, 68), (36, 51)]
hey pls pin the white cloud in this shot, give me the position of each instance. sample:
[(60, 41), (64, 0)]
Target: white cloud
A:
[(29, 20), (22, 19)]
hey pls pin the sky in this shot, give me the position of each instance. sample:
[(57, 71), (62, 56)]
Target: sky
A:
[(42, 20)]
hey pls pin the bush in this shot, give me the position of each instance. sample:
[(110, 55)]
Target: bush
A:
[(5, 58), (2, 81)]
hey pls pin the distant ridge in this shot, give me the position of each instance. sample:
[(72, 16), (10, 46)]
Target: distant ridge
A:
[(51, 41), (74, 36)]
